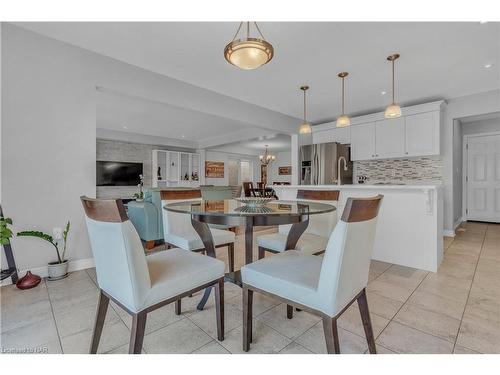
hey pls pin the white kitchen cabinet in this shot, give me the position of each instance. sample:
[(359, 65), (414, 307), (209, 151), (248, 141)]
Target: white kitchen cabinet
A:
[(390, 138), (340, 135), (422, 134), (363, 141)]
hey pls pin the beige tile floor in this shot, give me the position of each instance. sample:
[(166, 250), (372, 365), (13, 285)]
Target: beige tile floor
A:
[(456, 310)]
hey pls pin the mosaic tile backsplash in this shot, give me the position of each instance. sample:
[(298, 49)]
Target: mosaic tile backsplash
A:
[(400, 170)]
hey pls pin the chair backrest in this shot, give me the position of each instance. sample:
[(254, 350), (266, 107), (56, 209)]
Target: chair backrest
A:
[(320, 224), (247, 188), (217, 193), (236, 191), (346, 263), (260, 185), (174, 223), (121, 266)]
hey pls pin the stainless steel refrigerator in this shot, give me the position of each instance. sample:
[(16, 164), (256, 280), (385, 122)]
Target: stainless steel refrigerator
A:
[(319, 163)]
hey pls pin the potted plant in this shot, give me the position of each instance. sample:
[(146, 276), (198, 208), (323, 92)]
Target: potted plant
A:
[(58, 269), (5, 231), (139, 197)]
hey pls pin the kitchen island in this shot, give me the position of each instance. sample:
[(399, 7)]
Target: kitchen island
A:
[(410, 221)]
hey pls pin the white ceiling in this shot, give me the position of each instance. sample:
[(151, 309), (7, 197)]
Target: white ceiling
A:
[(121, 112), (276, 142), (438, 60)]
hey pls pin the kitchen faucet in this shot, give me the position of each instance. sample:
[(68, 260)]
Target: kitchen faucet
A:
[(338, 168)]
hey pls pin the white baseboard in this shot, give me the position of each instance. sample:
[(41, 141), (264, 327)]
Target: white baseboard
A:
[(448, 233), (74, 265)]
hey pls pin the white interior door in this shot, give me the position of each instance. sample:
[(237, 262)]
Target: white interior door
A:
[(483, 178)]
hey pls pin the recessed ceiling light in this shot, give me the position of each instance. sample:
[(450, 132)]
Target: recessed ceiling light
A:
[(487, 66), (183, 136), (384, 92), (125, 127)]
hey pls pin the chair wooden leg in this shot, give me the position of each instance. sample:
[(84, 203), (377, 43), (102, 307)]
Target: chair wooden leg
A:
[(262, 252), (99, 322), (331, 335), (367, 323), (230, 255), (289, 311), (219, 309), (247, 318), (137, 332), (178, 307)]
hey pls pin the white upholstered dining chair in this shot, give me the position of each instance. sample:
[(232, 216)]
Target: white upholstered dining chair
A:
[(315, 238), (141, 284), (325, 286), (179, 232)]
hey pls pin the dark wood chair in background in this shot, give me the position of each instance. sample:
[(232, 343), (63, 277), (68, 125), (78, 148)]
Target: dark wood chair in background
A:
[(247, 189)]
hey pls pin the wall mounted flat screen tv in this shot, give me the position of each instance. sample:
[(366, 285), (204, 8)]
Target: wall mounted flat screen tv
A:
[(117, 173)]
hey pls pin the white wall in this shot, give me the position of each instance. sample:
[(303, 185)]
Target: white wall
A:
[(49, 131), (483, 126), (472, 105), (48, 141), (283, 159), (225, 157)]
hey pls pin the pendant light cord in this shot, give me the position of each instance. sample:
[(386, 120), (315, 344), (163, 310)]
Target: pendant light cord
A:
[(237, 32), (343, 95), (257, 27), (393, 81), (305, 106)]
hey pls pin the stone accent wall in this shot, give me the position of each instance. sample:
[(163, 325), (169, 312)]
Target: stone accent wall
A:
[(110, 150), (428, 169)]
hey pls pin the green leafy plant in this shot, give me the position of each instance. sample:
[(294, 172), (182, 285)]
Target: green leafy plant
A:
[(5, 231), (139, 195), (49, 239), (65, 238)]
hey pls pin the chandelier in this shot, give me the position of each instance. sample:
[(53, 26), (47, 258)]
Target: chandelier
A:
[(248, 53), (267, 157)]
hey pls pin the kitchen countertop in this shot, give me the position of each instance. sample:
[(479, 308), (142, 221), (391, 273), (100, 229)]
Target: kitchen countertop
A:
[(363, 186)]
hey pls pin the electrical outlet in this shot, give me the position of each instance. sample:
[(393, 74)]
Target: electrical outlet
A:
[(57, 233)]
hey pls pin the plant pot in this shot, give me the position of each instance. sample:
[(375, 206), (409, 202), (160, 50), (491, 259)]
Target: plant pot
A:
[(139, 199), (58, 270)]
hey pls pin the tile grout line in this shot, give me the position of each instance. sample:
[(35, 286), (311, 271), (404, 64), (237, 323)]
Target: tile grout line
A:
[(116, 312), (468, 294), (53, 316), (404, 303)]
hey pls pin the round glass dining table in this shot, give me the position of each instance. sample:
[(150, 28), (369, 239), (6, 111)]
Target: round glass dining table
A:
[(231, 212)]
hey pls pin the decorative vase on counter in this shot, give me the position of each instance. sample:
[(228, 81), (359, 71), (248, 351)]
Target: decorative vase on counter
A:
[(28, 281), (58, 270)]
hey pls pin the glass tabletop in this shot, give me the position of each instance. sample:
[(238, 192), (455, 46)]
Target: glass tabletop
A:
[(231, 207)]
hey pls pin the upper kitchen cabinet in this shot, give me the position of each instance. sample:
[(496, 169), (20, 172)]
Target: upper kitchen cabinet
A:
[(422, 134), (415, 133), (333, 134), (390, 138), (363, 141)]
